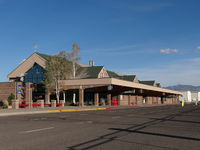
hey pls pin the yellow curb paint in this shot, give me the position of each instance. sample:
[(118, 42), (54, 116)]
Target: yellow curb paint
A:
[(49, 111), (71, 110)]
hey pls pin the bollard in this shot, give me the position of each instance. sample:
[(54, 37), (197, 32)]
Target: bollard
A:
[(15, 104), (41, 102), (53, 103), (62, 103)]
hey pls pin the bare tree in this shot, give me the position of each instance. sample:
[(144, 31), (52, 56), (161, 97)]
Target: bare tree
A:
[(73, 57)]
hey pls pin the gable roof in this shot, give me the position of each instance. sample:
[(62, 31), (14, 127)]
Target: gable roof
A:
[(122, 77), (89, 72), (151, 82), (27, 64)]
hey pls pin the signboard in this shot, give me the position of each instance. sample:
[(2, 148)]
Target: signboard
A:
[(19, 86), (19, 92)]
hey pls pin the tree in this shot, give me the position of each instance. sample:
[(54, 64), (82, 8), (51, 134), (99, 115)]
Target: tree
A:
[(57, 68), (10, 98), (73, 57)]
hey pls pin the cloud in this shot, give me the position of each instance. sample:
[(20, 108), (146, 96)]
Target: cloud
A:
[(198, 47), (168, 51), (183, 72)]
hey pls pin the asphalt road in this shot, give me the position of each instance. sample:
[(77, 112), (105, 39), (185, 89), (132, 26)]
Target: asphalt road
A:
[(156, 128)]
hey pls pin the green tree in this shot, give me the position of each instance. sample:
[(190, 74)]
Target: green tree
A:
[(57, 68), (73, 57), (10, 98)]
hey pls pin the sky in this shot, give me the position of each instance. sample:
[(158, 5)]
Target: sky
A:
[(152, 39)]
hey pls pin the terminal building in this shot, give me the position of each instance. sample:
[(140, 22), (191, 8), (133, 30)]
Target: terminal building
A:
[(93, 85)]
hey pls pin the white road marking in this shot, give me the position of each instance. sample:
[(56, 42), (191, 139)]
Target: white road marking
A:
[(115, 117), (89, 121), (37, 130)]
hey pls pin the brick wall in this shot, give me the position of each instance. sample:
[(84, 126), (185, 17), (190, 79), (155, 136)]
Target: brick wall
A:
[(6, 88), (124, 101), (133, 100)]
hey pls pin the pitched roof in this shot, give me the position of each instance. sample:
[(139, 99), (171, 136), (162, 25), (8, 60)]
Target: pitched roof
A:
[(27, 64), (151, 82), (89, 72), (122, 77), (45, 56)]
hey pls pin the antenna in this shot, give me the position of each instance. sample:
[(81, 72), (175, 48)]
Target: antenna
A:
[(35, 47)]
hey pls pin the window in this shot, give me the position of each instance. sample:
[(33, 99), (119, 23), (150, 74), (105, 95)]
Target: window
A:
[(35, 74)]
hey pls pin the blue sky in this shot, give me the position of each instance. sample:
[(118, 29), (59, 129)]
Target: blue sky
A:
[(154, 39)]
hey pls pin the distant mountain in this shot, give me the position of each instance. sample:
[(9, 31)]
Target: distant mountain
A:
[(184, 88)]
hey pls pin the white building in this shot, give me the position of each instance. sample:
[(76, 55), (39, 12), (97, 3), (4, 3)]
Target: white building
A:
[(189, 96)]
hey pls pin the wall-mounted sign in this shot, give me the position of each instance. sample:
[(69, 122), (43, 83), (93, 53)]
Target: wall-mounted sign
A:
[(19, 86), (19, 92)]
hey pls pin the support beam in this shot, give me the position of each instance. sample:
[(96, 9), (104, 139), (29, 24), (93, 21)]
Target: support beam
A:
[(28, 95), (118, 99), (81, 97), (129, 99), (96, 99), (109, 98)]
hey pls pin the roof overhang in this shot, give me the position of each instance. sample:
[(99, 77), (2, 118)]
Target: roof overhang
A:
[(113, 81)]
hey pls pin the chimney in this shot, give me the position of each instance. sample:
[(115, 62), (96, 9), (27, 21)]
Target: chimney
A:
[(91, 63)]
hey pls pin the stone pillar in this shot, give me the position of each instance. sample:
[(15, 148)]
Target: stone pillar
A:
[(41, 102), (109, 99), (15, 104), (118, 99), (47, 97), (81, 97), (62, 102), (53, 103), (129, 99), (96, 99), (28, 95)]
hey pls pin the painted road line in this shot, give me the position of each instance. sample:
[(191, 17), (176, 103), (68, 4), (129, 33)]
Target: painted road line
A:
[(37, 130), (115, 117)]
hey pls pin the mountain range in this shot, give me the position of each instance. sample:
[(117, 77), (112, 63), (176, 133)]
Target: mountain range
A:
[(184, 88)]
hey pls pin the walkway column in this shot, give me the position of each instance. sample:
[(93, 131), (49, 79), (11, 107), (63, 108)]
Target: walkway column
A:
[(118, 99), (81, 96), (109, 98), (129, 99), (47, 97), (96, 99), (28, 95)]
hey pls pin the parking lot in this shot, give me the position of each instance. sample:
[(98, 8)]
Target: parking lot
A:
[(157, 128)]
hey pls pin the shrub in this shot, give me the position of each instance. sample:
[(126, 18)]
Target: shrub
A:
[(5, 106), (10, 98)]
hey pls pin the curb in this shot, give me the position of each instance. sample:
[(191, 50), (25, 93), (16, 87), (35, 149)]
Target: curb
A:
[(72, 110)]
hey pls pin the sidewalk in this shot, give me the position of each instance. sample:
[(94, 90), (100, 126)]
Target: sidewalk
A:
[(26, 111)]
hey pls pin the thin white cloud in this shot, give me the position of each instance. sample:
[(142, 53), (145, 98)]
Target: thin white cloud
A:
[(168, 51), (183, 72), (198, 47)]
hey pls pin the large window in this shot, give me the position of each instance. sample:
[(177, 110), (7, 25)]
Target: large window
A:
[(35, 74)]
